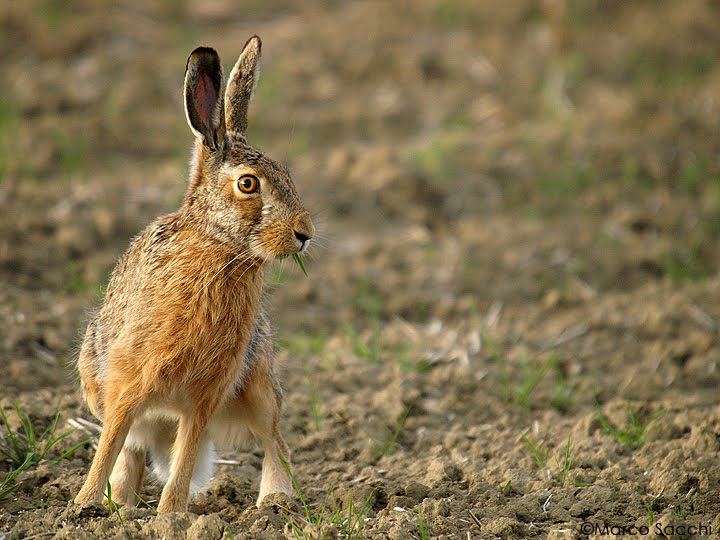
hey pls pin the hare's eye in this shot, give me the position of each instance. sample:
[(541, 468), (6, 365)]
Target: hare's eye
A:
[(247, 183)]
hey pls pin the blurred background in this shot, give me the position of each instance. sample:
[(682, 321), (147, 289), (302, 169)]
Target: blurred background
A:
[(510, 195)]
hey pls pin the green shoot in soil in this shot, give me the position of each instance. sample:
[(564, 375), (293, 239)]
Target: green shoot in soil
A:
[(348, 524), (633, 433), (6, 486), (531, 375), (530, 378), (422, 526), (565, 465), (316, 405), (369, 299), (147, 504), (505, 381), (540, 455), (679, 510), (301, 343), (421, 366), (112, 505), (651, 513), (372, 350), (300, 263), (507, 488), (27, 443), (584, 484), (386, 445), (563, 389)]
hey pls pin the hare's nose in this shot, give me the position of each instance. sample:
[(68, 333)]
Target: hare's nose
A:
[(303, 229)]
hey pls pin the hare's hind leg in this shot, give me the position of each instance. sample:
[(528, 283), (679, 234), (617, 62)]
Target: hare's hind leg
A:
[(160, 440), (127, 475), (190, 444), (258, 403)]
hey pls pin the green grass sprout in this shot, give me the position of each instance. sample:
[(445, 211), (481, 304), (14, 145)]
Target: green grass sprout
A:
[(27, 443), (348, 524), (540, 455), (300, 263), (114, 507), (6, 486)]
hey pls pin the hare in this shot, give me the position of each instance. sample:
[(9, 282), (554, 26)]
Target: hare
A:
[(179, 358)]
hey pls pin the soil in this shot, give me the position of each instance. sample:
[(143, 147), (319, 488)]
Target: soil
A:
[(518, 205)]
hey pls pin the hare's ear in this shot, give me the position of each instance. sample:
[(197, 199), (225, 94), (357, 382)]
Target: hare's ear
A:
[(241, 84), (203, 96)]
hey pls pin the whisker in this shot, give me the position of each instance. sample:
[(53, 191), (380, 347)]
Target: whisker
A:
[(322, 212), (246, 269)]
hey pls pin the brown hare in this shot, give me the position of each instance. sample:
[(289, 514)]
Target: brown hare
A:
[(180, 356)]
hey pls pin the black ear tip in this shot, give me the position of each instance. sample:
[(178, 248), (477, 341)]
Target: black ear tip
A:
[(203, 52), (203, 49)]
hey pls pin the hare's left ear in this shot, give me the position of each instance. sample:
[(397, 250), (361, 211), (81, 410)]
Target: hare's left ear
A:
[(241, 84), (203, 96)]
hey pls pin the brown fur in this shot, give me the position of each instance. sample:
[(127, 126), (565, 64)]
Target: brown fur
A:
[(181, 354)]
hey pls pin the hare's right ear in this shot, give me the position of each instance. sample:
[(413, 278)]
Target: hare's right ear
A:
[(241, 84), (203, 96)]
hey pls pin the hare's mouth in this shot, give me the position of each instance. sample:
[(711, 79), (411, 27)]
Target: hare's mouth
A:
[(285, 249), (282, 239)]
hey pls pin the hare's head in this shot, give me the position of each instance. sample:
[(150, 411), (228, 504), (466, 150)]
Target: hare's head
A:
[(239, 195)]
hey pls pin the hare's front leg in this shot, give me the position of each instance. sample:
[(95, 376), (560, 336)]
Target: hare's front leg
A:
[(118, 419)]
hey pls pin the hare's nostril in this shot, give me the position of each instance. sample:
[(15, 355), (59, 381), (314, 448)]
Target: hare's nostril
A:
[(302, 237)]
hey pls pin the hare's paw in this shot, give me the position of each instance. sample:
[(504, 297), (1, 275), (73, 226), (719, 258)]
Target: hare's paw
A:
[(274, 482), (281, 499), (87, 494), (173, 501)]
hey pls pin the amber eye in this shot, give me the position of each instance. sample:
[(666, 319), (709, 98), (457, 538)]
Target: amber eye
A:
[(247, 183)]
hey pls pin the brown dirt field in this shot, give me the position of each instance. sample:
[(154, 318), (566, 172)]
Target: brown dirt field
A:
[(519, 209)]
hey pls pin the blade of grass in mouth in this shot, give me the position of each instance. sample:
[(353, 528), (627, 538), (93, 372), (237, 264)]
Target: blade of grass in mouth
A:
[(299, 262)]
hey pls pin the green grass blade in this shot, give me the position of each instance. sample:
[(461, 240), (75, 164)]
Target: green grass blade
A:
[(540, 456), (300, 263), (4, 490), (298, 490), (112, 505), (142, 501), (396, 433), (16, 454), (359, 518), (28, 430), (422, 526), (50, 430), (72, 449), (51, 440)]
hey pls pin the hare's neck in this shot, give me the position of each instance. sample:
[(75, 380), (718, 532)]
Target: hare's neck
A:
[(226, 289), (235, 294), (245, 277)]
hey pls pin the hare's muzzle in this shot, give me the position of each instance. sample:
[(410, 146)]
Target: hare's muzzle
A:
[(304, 230)]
